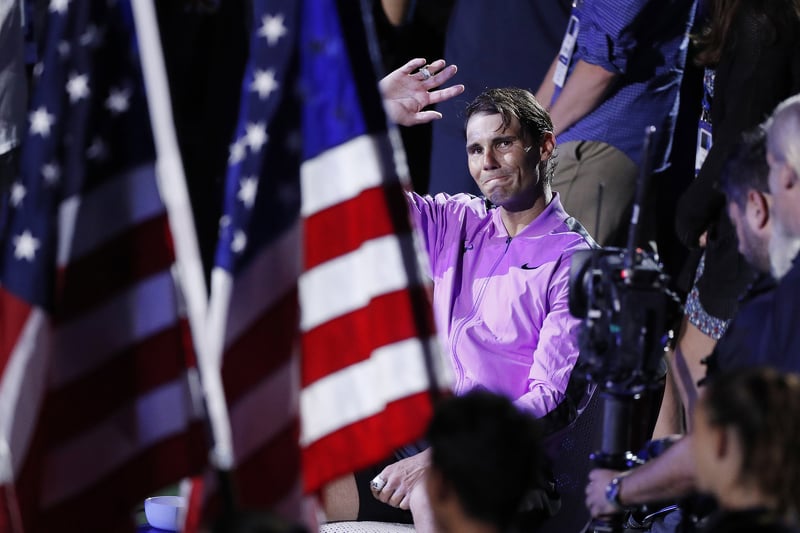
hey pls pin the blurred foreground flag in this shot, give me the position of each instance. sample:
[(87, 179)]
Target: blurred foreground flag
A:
[(96, 358), (319, 317)]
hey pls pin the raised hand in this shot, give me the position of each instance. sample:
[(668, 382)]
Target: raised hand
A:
[(408, 90)]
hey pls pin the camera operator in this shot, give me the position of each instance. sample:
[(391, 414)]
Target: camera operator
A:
[(672, 475)]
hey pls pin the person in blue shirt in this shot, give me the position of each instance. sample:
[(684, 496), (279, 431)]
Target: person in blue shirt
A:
[(619, 71)]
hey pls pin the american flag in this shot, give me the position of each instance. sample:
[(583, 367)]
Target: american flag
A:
[(96, 357), (317, 302)]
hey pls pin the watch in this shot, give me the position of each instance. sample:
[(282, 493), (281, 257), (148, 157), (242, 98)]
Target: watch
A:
[(613, 492)]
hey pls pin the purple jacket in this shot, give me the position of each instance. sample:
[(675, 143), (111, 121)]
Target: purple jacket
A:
[(500, 302)]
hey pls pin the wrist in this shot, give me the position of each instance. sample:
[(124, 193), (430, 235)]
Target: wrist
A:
[(614, 492)]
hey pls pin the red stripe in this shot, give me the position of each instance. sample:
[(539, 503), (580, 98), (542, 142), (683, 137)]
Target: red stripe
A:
[(269, 474), (140, 368), (13, 315), (353, 337), (134, 255), (107, 505), (264, 347), (385, 210), (365, 442)]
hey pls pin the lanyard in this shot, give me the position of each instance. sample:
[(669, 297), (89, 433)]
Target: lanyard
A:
[(567, 50), (704, 124)]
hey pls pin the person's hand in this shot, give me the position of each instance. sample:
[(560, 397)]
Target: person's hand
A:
[(402, 478), (596, 500), (703, 240), (405, 95)]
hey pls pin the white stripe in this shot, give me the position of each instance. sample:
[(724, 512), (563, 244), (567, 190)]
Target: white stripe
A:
[(102, 213), (343, 172), (361, 390), (95, 338), (84, 460), (273, 403), (22, 389), (350, 281)]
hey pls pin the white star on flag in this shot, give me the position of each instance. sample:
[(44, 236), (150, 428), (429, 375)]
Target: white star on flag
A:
[(264, 83), (256, 135), (18, 193), (25, 246), (59, 6), (118, 101), (41, 122), (51, 173), (247, 190), (78, 87), (272, 28), (239, 242), (237, 152)]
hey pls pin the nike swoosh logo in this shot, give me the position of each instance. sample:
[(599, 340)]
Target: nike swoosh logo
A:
[(527, 267)]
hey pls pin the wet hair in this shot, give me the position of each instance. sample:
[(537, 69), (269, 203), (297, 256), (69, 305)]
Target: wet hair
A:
[(511, 103), (489, 452), (746, 167), (761, 406)]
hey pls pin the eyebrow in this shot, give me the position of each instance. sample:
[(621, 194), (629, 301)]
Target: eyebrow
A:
[(499, 138)]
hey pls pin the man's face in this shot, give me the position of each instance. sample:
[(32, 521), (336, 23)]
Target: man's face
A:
[(503, 161), (752, 245)]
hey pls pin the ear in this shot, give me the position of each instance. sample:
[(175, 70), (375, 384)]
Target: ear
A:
[(720, 442), (757, 209), (547, 146)]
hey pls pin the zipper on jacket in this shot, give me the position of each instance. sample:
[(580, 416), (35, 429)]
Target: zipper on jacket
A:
[(459, 330)]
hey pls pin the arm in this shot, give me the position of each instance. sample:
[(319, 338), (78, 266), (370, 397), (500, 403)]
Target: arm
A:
[(556, 349), (584, 90), (667, 477), (405, 95), (544, 94), (395, 10)]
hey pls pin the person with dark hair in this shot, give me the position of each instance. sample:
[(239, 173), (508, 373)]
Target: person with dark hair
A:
[(751, 52), (486, 456), (745, 451), (500, 268), (673, 475)]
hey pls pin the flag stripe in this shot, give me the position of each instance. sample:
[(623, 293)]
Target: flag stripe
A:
[(273, 336), (21, 387), (14, 313), (77, 464), (360, 160), (268, 278), (350, 281), (155, 466), (348, 219), (100, 214), (99, 335), (139, 368), (362, 436), (273, 402), (114, 266), (339, 343), (396, 370)]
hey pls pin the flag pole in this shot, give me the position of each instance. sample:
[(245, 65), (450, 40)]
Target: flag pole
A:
[(190, 275)]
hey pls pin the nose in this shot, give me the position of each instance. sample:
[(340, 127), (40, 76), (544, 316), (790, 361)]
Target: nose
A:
[(489, 160)]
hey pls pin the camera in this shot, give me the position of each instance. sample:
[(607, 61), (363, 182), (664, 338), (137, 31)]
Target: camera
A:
[(622, 295)]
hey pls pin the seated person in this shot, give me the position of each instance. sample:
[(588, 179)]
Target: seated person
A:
[(673, 475), (486, 456), (745, 449), (500, 266)]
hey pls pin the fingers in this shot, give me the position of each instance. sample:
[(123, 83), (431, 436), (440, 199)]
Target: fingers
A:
[(423, 117), (412, 65), (442, 95)]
